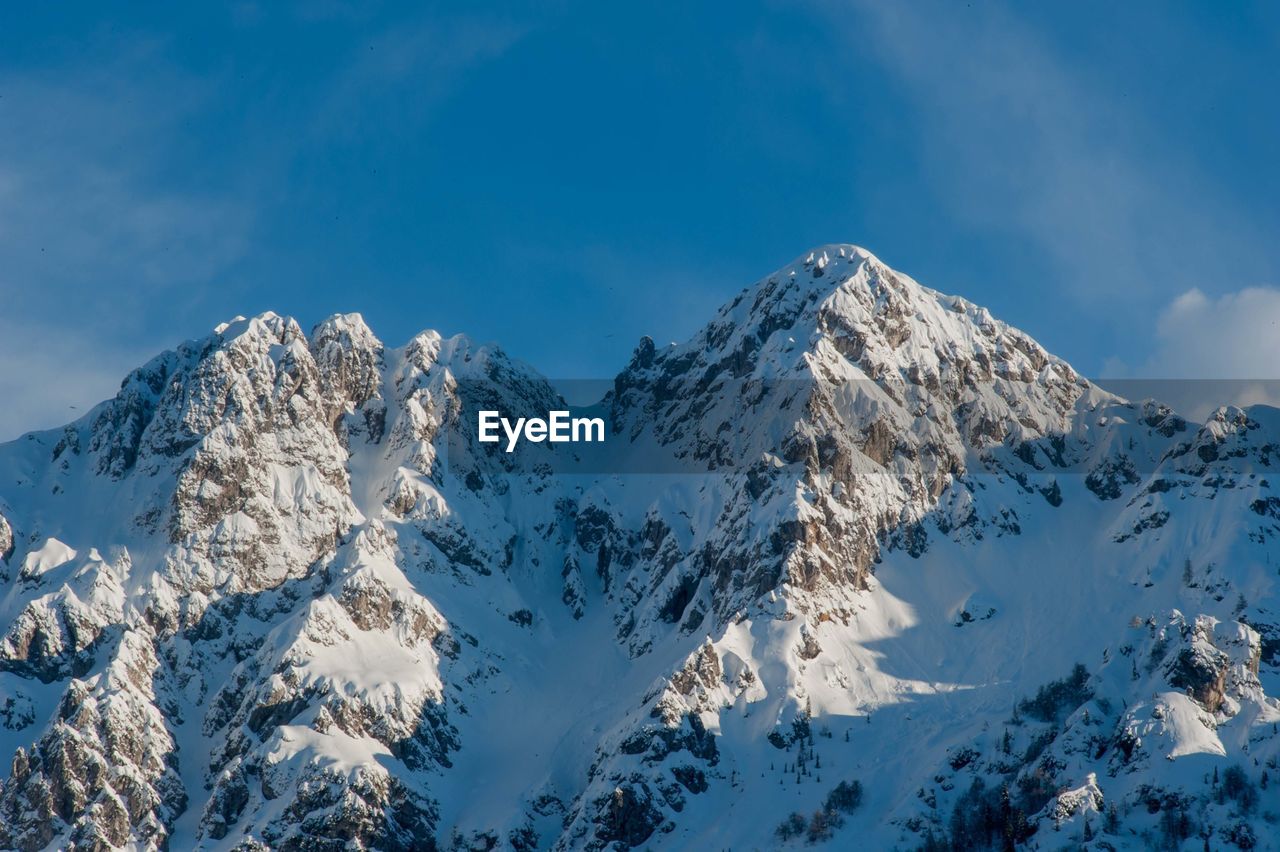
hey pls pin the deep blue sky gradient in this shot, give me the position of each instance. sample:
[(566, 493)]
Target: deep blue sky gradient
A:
[(562, 178)]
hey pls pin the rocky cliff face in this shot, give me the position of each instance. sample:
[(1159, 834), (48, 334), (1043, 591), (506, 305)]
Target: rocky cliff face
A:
[(894, 565)]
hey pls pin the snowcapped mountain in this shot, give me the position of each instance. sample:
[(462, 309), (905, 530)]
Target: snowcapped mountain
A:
[(898, 578)]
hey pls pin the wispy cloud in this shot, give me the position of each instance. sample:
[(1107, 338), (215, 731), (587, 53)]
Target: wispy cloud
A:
[(83, 196), (119, 237), (97, 240), (1018, 140), (414, 66), (52, 374)]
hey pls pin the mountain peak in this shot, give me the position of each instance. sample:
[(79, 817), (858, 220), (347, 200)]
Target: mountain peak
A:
[(267, 322), (351, 325), (839, 303)]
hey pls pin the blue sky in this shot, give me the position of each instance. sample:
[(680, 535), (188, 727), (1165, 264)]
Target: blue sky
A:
[(564, 177)]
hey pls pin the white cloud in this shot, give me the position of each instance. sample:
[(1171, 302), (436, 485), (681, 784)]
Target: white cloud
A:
[(1233, 336), (1209, 351)]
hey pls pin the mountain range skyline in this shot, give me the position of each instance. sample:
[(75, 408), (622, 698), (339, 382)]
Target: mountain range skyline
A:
[(1194, 394), (954, 596)]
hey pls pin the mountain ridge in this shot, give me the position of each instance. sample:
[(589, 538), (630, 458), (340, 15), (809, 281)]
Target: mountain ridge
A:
[(260, 600)]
